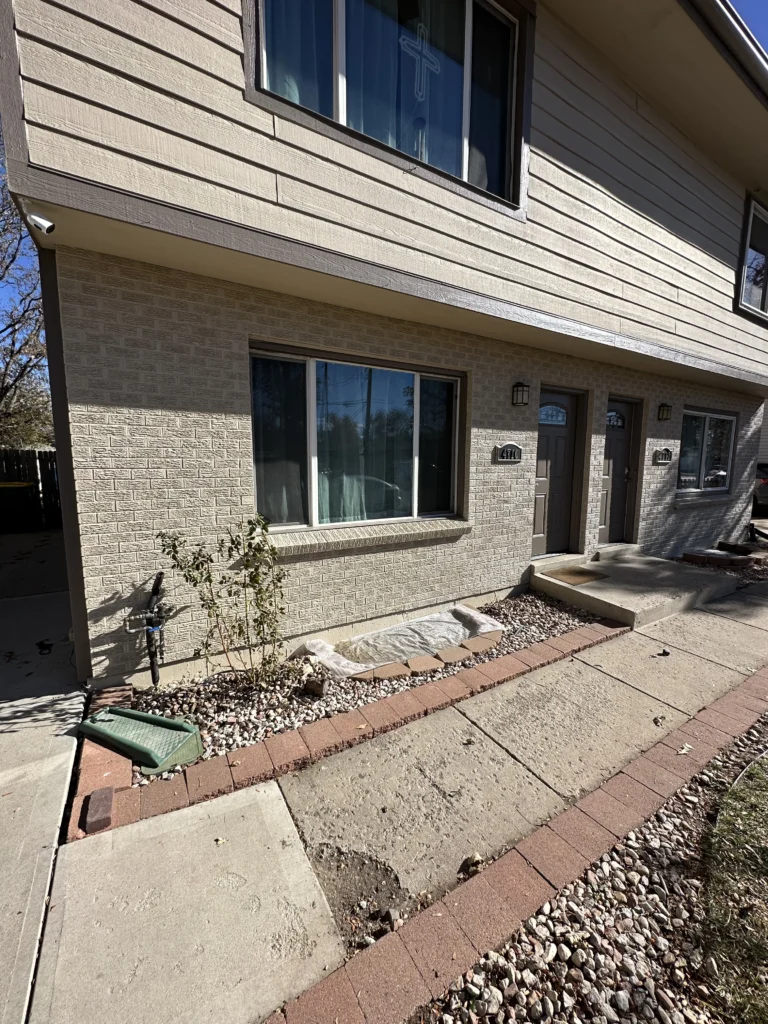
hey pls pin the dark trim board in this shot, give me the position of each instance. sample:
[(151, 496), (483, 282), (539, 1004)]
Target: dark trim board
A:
[(98, 200), (515, 207), (64, 463)]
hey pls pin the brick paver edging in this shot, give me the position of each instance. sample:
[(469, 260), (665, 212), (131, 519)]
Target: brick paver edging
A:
[(102, 769), (404, 971)]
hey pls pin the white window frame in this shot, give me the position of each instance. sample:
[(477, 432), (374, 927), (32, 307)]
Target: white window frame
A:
[(310, 363), (707, 416), (755, 209), (340, 78)]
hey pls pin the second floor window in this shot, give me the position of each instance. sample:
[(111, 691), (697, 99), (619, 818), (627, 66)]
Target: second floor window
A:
[(434, 79), (754, 280)]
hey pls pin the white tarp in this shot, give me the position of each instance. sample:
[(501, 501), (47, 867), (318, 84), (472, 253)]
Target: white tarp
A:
[(401, 642)]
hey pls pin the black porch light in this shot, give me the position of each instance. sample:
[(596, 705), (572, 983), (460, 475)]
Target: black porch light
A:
[(665, 411), (521, 393)]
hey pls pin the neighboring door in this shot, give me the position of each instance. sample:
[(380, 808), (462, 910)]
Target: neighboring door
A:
[(554, 472), (617, 498)]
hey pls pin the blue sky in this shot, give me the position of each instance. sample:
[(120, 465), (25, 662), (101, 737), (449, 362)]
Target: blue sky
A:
[(755, 13)]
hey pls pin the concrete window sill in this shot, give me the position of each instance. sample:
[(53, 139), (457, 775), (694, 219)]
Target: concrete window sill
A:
[(700, 500), (356, 538)]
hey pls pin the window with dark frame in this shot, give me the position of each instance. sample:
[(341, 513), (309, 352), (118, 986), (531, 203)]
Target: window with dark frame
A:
[(340, 442), (706, 451), (433, 79), (753, 286)]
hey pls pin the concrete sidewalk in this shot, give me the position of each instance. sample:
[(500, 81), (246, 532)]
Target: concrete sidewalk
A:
[(132, 909), (40, 708)]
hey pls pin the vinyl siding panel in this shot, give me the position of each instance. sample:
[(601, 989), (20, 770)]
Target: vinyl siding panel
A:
[(629, 228)]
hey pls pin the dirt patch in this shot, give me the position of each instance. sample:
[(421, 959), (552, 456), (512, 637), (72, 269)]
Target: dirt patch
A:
[(364, 895)]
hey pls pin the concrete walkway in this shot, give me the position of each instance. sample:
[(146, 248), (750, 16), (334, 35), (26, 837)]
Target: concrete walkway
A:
[(39, 711), (158, 921)]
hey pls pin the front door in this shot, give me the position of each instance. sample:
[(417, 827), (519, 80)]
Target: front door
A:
[(554, 472), (617, 497)]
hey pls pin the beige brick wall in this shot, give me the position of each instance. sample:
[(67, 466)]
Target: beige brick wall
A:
[(158, 385)]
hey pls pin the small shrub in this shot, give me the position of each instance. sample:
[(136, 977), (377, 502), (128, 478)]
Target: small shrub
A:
[(240, 588)]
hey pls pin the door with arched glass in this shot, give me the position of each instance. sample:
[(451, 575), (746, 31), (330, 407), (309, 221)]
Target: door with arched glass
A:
[(553, 499)]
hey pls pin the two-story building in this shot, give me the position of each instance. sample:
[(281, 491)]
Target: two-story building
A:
[(436, 285)]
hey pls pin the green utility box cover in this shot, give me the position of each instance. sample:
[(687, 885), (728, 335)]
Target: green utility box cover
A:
[(157, 743)]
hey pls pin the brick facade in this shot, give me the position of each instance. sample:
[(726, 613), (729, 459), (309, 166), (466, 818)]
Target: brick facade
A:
[(158, 385)]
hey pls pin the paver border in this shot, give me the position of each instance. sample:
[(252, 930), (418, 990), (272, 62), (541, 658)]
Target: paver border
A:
[(102, 770), (408, 968)]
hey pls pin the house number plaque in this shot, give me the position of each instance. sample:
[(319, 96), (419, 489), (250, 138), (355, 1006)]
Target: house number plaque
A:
[(507, 453)]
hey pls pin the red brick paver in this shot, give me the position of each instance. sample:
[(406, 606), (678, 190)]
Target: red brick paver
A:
[(501, 670), (352, 727), (678, 764), (99, 810), (438, 947), (387, 984), (720, 721), (700, 752), (518, 884), (250, 765), (474, 680), (613, 815), (702, 731), (538, 655), (653, 776), (567, 643), (482, 915), (431, 697), (583, 833), (380, 716), (321, 738), (734, 709), (552, 856), (331, 1001), (126, 807), (453, 688), (164, 795), (633, 794), (288, 751), (208, 779), (405, 706)]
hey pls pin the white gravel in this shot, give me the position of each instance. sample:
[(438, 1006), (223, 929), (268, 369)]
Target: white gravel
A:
[(232, 713), (626, 943)]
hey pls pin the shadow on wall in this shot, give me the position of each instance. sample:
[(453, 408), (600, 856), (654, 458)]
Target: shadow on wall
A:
[(119, 652)]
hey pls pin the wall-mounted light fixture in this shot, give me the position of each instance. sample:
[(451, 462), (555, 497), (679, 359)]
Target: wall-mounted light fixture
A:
[(665, 411), (521, 393)]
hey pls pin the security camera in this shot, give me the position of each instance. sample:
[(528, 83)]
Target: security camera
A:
[(42, 225)]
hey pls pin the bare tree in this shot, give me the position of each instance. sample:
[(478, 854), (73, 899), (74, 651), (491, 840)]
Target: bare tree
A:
[(25, 413)]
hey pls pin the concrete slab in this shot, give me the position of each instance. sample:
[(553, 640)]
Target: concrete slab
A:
[(684, 680), (158, 921), (639, 589), (39, 713), (749, 606), (420, 800), (718, 638), (571, 724)]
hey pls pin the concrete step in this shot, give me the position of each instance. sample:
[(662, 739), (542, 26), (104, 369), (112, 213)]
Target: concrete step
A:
[(637, 589), (608, 552), (543, 563)]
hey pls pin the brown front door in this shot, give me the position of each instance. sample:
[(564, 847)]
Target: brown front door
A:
[(617, 498), (554, 472)]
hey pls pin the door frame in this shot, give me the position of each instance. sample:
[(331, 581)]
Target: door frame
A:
[(635, 449), (576, 540)]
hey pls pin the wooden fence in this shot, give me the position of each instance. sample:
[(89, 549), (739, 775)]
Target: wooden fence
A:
[(29, 490)]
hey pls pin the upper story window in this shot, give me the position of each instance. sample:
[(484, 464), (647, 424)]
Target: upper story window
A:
[(434, 79), (341, 442), (753, 291), (706, 452)]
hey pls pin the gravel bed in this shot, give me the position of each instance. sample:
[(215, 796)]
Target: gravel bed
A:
[(747, 574), (625, 944), (232, 713)]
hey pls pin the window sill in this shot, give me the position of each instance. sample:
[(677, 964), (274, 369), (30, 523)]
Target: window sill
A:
[(305, 118), (698, 499), (357, 538)]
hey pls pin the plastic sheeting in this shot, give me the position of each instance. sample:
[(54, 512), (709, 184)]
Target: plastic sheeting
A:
[(400, 642)]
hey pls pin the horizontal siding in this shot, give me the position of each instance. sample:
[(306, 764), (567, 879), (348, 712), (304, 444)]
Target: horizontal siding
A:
[(629, 228)]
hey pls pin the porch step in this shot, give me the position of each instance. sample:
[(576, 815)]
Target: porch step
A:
[(607, 552), (545, 563), (637, 589)]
